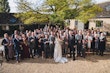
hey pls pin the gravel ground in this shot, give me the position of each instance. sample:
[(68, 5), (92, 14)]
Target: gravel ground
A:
[(92, 64)]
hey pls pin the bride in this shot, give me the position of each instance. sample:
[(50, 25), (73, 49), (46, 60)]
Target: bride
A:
[(58, 50)]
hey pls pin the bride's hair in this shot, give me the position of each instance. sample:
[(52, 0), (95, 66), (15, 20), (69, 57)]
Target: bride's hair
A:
[(58, 35)]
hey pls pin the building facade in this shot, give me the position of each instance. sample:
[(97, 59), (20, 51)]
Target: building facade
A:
[(101, 21)]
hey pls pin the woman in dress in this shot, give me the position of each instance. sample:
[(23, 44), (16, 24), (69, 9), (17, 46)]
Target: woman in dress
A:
[(58, 51), (25, 47), (11, 48), (89, 41)]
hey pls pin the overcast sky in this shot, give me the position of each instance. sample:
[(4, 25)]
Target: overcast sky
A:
[(13, 4)]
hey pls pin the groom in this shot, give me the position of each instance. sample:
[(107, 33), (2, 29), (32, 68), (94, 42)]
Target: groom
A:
[(71, 41)]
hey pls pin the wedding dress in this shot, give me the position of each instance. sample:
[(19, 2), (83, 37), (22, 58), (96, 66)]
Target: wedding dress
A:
[(58, 52)]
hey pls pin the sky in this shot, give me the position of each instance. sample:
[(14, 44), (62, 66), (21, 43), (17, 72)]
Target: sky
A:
[(13, 5)]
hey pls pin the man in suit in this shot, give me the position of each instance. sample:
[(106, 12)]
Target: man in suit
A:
[(46, 47), (79, 38), (71, 42), (32, 44), (5, 43), (17, 47), (102, 44), (51, 44)]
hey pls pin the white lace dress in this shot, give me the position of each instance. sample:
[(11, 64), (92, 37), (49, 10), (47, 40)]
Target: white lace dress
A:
[(58, 52)]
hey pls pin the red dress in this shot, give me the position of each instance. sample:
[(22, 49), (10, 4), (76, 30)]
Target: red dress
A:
[(25, 51)]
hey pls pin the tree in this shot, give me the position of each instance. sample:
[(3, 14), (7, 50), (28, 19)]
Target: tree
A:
[(29, 13), (57, 11), (32, 18), (87, 10), (71, 9), (4, 6)]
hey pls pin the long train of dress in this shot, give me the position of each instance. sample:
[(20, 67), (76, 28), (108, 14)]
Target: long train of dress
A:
[(58, 52)]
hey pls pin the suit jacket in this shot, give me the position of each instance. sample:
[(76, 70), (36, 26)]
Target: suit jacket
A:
[(51, 39), (16, 44), (32, 44), (71, 40), (4, 42)]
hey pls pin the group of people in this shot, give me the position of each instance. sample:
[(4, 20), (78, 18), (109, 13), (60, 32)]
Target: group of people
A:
[(53, 42)]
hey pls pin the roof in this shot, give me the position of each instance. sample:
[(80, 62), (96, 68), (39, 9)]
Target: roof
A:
[(106, 10), (8, 18)]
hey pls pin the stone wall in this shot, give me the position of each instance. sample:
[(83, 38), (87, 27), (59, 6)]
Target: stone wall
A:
[(106, 24)]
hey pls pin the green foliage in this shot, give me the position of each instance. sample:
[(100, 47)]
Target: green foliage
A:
[(56, 11), (4, 6), (29, 14), (70, 9), (32, 18), (88, 10)]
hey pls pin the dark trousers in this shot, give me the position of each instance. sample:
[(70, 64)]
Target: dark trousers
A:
[(72, 52), (47, 51), (34, 51), (31, 52), (39, 51), (78, 51), (51, 50), (21, 52), (64, 49), (79, 46), (17, 55), (97, 51), (6, 54), (83, 52), (101, 52)]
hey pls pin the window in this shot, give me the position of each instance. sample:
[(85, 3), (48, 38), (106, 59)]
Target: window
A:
[(108, 8), (5, 27), (76, 22), (99, 23)]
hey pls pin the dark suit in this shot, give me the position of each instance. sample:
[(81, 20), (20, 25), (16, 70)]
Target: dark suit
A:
[(46, 48), (97, 44), (71, 41), (83, 49), (32, 46), (5, 44), (52, 45), (36, 44), (93, 45), (17, 48), (79, 43), (102, 45)]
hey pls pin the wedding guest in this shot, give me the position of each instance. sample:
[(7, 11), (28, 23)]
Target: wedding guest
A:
[(83, 49), (97, 44), (31, 43), (42, 45), (46, 47), (17, 47), (11, 48), (89, 40), (15, 33), (79, 38), (52, 43), (93, 44), (102, 44), (5, 43), (65, 45), (25, 46), (72, 44)]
